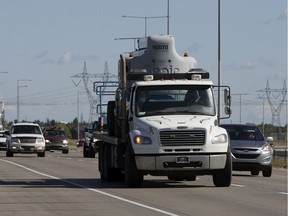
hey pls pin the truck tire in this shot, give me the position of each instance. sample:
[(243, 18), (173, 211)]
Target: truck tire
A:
[(267, 172), (85, 151), (111, 118), (133, 177), (255, 172), (222, 178), (66, 151), (108, 173), (9, 153), (101, 162), (41, 154)]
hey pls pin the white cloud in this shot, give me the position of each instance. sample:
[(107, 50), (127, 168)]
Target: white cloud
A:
[(256, 64), (66, 58), (69, 57)]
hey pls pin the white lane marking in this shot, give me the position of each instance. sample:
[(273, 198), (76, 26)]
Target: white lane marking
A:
[(237, 185), (285, 193), (91, 189)]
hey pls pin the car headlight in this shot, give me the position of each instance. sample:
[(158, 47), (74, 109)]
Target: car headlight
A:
[(65, 142), (40, 140), (266, 148), (47, 141), (138, 139), (15, 140), (219, 139)]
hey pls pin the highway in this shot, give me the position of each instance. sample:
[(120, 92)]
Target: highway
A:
[(70, 185)]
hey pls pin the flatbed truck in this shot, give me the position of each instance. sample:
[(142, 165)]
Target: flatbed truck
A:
[(163, 121)]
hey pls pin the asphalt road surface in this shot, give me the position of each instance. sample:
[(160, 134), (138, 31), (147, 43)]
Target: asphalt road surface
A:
[(70, 185)]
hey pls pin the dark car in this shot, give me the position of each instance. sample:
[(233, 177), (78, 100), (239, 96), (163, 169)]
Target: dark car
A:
[(250, 150), (56, 139)]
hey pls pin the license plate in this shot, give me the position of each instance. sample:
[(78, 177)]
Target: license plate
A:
[(182, 159)]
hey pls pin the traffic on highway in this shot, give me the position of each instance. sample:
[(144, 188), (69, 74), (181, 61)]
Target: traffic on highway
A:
[(69, 184)]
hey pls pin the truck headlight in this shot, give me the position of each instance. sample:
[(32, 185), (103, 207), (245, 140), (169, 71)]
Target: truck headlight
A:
[(65, 141), (266, 148), (138, 139), (219, 139)]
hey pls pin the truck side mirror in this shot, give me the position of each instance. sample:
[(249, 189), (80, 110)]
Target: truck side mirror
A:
[(227, 101)]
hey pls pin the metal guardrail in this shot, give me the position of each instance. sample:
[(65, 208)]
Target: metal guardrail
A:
[(280, 151)]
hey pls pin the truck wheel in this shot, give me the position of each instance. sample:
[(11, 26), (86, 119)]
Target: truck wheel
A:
[(111, 118), (91, 151), (255, 172), (41, 154), (191, 178), (9, 153), (223, 177), (107, 170), (65, 151), (133, 177), (86, 153), (92, 154), (101, 162), (267, 172)]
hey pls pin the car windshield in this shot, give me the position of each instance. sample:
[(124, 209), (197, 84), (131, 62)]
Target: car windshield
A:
[(244, 133), (174, 100), (25, 129), (55, 133)]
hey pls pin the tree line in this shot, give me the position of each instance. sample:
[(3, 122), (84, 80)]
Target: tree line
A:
[(71, 128)]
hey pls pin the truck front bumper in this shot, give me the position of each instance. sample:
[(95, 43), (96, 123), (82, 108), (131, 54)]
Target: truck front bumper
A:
[(180, 162)]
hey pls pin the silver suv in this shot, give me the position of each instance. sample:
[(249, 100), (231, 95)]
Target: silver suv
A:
[(250, 150), (25, 138)]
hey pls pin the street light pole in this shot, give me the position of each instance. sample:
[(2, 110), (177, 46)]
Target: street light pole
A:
[(219, 65), (18, 96)]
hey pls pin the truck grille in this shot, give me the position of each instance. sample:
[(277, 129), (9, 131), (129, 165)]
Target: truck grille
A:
[(27, 139), (182, 138)]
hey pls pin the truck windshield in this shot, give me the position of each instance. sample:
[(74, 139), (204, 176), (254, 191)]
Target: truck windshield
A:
[(174, 100)]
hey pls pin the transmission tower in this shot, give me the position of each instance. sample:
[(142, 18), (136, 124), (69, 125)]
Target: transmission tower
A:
[(92, 98), (272, 95)]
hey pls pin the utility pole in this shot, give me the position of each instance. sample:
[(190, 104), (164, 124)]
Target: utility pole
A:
[(274, 94), (240, 94), (18, 96), (219, 65)]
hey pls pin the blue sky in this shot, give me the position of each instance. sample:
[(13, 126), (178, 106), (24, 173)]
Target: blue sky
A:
[(48, 41)]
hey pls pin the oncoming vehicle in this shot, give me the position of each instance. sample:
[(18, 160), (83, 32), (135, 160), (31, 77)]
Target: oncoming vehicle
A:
[(56, 139), (89, 147), (25, 138), (250, 150)]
